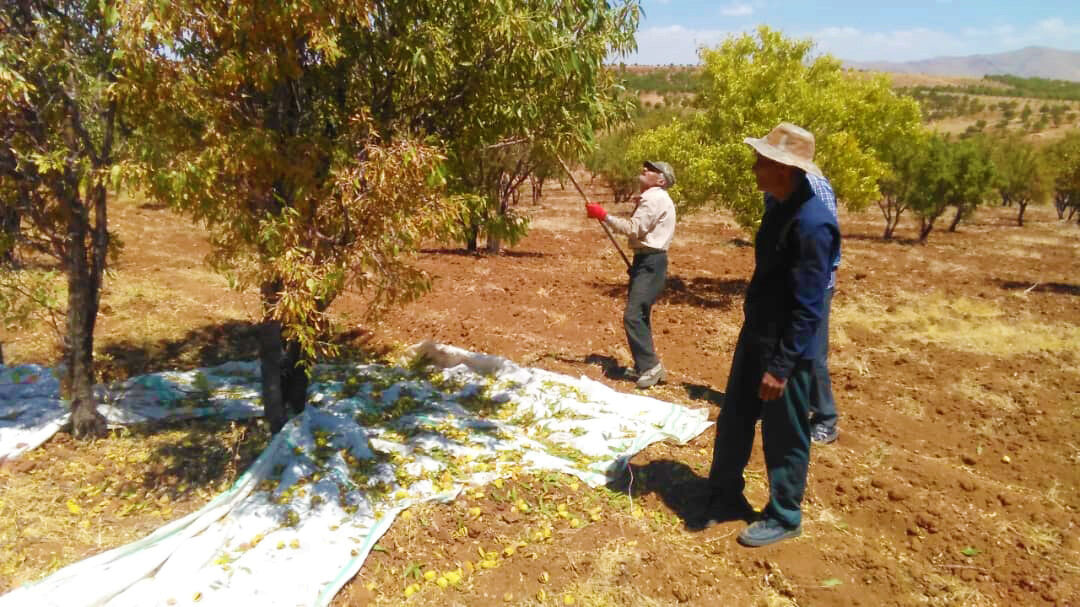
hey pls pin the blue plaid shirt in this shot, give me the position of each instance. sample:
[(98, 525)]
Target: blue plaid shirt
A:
[(823, 190)]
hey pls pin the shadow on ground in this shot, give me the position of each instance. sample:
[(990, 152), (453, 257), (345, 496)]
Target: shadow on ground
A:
[(208, 346), (204, 346), (1045, 287), (700, 291), (483, 253), (675, 483), (206, 454), (705, 393), (877, 238), (611, 367)]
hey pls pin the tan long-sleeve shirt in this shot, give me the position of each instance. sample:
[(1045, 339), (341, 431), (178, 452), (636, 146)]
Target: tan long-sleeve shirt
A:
[(652, 226)]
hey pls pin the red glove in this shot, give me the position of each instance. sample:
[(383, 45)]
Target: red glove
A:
[(595, 211)]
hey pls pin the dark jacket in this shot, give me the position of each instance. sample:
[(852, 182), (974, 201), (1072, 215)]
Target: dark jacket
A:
[(785, 301)]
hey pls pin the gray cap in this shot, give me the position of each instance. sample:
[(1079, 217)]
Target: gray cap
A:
[(664, 169)]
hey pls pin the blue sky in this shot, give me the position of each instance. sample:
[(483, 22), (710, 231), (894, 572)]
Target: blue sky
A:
[(870, 30)]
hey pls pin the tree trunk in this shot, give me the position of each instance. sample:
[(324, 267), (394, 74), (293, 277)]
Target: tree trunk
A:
[(294, 378), (1020, 215), (10, 220), (270, 366), (86, 422), (537, 189), (925, 226), (270, 361), (890, 226), (956, 218), (472, 236)]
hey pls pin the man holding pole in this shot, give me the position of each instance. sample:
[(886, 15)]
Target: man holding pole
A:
[(650, 230)]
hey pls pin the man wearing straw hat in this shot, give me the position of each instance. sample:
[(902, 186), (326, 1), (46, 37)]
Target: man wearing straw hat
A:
[(772, 370), (651, 229)]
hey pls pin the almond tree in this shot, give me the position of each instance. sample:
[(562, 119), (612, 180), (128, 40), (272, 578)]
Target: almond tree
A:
[(750, 83), (506, 87), (949, 174), (904, 158), (256, 123), (316, 140), (1064, 159), (975, 178), (1023, 175), (59, 112)]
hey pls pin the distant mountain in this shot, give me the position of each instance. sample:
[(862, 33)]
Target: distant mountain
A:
[(1033, 61)]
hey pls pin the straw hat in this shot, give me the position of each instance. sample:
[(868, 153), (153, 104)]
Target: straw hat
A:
[(788, 144)]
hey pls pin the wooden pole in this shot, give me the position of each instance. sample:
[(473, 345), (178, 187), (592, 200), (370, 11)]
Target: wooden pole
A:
[(602, 224)]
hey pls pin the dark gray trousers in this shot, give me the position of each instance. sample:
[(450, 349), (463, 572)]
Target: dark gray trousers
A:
[(822, 402), (785, 433), (648, 273)]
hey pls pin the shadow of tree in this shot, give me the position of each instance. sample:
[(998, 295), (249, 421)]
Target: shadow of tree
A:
[(208, 346), (905, 242), (204, 346), (466, 253), (1045, 287), (207, 454)]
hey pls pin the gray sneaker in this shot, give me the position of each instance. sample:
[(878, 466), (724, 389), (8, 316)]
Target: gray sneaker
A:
[(652, 376), (821, 434), (767, 531)]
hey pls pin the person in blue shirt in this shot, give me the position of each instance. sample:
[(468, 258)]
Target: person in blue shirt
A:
[(772, 371), (823, 416)]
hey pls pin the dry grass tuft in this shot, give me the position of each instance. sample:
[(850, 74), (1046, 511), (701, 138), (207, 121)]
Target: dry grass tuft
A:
[(112, 491), (963, 323), (608, 585), (971, 390)]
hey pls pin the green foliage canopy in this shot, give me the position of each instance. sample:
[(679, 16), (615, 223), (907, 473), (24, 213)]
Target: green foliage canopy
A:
[(751, 83), (266, 123), (1064, 156), (509, 87), (1023, 175), (940, 173)]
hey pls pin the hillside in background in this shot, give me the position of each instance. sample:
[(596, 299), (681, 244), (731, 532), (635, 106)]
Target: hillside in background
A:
[(1033, 61), (1040, 109)]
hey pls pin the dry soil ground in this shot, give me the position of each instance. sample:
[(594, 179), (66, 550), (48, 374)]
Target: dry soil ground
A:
[(955, 481)]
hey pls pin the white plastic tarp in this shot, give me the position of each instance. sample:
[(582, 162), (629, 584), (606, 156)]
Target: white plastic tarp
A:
[(31, 409), (303, 518)]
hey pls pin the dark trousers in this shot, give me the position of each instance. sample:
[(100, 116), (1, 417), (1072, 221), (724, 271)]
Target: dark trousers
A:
[(647, 275), (785, 433), (822, 403)]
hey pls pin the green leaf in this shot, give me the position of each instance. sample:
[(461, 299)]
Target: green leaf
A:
[(110, 14), (115, 174), (970, 551), (831, 582)]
